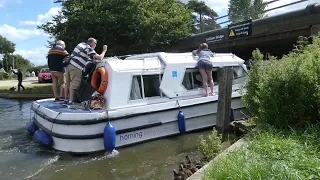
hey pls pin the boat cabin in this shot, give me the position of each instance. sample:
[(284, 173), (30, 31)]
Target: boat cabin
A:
[(160, 77)]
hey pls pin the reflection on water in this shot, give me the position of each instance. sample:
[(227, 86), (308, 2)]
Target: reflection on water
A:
[(21, 158)]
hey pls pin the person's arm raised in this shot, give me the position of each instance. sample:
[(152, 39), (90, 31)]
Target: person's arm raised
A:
[(101, 56)]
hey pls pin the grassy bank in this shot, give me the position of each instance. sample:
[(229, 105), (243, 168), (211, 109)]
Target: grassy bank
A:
[(41, 89), (272, 154), (283, 97)]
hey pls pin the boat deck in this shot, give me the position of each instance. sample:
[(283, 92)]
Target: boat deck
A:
[(59, 106)]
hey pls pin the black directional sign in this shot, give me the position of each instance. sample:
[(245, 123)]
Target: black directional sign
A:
[(241, 29)]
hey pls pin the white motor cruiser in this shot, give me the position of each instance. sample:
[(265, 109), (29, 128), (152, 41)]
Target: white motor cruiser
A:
[(147, 96)]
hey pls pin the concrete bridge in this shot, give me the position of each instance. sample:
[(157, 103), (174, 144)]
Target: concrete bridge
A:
[(275, 35)]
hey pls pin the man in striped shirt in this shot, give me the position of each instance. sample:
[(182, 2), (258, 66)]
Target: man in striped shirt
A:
[(79, 57)]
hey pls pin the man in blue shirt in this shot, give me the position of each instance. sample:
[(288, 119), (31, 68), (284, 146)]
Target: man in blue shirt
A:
[(55, 63), (79, 57)]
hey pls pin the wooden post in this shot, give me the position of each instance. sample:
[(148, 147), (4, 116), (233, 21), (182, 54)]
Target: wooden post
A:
[(225, 76), (315, 30)]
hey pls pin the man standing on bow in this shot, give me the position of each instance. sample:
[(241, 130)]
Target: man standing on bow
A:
[(55, 63), (79, 57)]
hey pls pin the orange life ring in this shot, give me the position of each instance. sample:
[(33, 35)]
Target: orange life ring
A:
[(100, 74)]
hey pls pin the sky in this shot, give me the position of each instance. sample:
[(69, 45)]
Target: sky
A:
[(19, 20)]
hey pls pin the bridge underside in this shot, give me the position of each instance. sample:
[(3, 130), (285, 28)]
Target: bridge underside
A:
[(275, 35), (276, 44)]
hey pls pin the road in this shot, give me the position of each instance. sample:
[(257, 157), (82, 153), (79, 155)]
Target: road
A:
[(29, 81)]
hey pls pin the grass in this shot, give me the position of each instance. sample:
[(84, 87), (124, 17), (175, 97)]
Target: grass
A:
[(272, 154), (42, 89)]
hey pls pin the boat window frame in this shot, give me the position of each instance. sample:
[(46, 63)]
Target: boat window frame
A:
[(216, 83), (191, 70), (162, 96)]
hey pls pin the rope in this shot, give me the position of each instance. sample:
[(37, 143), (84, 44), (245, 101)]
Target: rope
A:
[(107, 111), (30, 113), (34, 111), (53, 122), (108, 119), (179, 105)]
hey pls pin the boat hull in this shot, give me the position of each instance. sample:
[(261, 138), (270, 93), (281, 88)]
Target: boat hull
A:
[(80, 137)]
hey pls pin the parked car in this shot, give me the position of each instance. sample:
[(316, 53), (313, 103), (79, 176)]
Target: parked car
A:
[(44, 75)]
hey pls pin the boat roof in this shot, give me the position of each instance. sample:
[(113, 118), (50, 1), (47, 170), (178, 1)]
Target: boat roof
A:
[(158, 61)]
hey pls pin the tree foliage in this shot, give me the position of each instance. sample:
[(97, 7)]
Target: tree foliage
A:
[(18, 60), (36, 68), (6, 46), (285, 92), (242, 10), (127, 26), (205, 18)]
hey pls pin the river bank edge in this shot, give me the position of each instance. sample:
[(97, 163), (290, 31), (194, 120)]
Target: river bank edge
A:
[(235, 146), (25, 96)]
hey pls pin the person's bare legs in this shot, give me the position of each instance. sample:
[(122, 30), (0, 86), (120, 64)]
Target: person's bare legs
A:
[(54, 85), (204, 80), (209, 74), (67, 84), (72, 94), (62, 94), (75, 77)]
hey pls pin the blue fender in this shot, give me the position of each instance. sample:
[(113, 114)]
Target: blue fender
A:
[(109, 137), (181, 122), (42, 138), (31, 127)]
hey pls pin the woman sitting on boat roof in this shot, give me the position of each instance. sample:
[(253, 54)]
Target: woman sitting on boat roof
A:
[(205, 66)]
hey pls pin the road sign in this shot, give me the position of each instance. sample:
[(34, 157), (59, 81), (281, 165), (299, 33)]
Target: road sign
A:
[(241, 29)]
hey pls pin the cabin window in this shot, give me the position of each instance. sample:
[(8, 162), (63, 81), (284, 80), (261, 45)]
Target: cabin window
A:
[(151, 84), (192, 79), (187, 81), (239, 75), (146, 86), (136, 90)]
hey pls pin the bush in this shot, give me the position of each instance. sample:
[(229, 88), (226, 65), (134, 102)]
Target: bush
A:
[(5, 76), (211, 146), (285, 93)]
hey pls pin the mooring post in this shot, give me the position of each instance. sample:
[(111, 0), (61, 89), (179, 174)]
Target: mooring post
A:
[(225, 76)]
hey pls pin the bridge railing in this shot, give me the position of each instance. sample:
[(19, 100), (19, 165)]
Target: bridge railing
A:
[(267, 10)]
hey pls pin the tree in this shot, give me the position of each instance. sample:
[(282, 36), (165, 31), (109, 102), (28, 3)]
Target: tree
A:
[(258, 9), (206, 19), (242, 10), (127, 26), (19, 62), (6, 46), (209, 24), (36, 68)]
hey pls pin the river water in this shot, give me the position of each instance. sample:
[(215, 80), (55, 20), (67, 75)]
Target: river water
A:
[(21, 158)]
